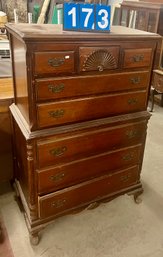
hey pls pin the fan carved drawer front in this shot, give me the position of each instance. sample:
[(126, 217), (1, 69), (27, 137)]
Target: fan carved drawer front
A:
[(71, 173), (47, 89), (53, 151), (54, 62), (137, 58), (69, 111), (66, 199), (99, 58)]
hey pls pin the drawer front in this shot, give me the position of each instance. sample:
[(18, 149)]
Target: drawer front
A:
[(53, 151), (158, 82), (81, 109), (87, 192), (137, 58), (80, 86), (98, 58), (74, 172), (54, 62)]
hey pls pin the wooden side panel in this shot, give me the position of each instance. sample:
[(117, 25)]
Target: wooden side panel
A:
[(20, 77)]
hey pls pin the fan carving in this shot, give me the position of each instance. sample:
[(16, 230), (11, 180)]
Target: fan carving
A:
[(100, 60)]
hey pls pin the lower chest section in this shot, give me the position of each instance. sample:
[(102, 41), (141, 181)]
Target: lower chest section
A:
[(65, 170)]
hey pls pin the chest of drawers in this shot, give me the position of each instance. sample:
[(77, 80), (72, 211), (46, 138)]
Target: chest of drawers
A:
[(79, 116)]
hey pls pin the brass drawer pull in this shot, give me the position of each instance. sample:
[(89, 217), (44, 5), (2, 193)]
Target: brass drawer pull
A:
[(135, 80), (100, 68), (57, 113), (132, 133), (128, 157), (58, 151), (57, 177), (137, 58), (55, 62), (58, 203), (132, 101), (125, 178), (56, 88)]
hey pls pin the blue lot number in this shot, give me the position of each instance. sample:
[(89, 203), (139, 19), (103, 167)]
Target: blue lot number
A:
[(86, 17)]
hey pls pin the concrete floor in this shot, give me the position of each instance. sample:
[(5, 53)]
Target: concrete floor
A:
[(119, 228)]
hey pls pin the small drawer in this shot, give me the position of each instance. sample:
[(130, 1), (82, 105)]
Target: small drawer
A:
[(137, 58), (47, 89), (54, 62), (71, 173), (87, 192), (60, 150), (157, 82), (81, 109), (98, 58)]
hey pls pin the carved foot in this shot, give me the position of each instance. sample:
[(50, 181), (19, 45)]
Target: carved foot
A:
[(137, 198), (34, 239), (93, 206)]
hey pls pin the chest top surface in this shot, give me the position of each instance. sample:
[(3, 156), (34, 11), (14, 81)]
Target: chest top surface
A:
[(28, 32)]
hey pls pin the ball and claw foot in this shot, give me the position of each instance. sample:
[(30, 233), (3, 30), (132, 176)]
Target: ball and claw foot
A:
[(34, 239)]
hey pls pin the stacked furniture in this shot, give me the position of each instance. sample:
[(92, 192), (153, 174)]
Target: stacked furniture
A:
[(79, 116), (157, 86), (147, 16)]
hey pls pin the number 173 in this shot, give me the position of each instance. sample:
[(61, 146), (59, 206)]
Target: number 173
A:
[(86, 17)]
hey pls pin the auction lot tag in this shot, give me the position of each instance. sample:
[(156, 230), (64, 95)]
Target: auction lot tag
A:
[(86, 17)]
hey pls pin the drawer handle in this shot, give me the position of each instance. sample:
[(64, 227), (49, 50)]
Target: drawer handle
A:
[(58, 151), (125, 178), (57, 113), (132, 101), (58, 203), (128, 157), (100, 68), (57, 177), (55, 62), (132, 133), (138, 58), (56, 88), (135, 80)]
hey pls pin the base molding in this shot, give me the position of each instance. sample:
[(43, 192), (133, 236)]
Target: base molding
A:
[(35, 227)]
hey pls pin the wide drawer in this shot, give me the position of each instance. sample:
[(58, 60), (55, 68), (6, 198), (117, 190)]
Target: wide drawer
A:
[(87, 192), (71, 173), (65, 149), (137, 58), (81, 109), (54, 62), (54, 88)]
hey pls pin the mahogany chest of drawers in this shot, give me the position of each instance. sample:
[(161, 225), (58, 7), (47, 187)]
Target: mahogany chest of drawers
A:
[(79, 116)]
